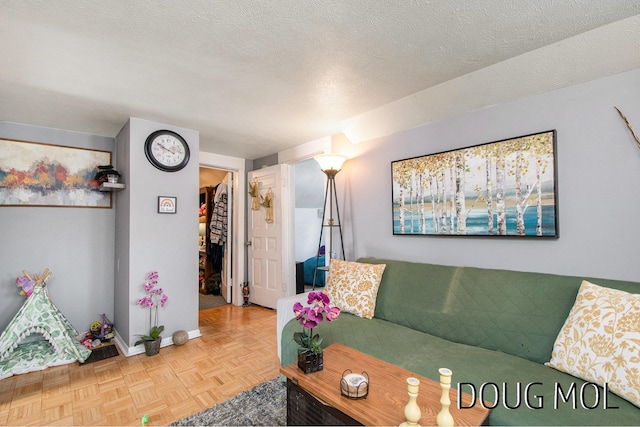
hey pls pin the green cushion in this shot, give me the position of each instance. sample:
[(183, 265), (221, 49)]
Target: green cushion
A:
[(512, 312), (424, 354)]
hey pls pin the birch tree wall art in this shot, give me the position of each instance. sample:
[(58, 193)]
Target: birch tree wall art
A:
[(503, 188)]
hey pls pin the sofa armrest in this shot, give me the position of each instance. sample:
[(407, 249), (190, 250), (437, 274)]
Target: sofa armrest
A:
[(284, 313)]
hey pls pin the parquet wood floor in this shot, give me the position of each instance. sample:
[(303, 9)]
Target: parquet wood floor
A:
[(237, 351)]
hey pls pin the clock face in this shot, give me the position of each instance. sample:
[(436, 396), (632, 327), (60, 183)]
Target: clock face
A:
[(167, 151)]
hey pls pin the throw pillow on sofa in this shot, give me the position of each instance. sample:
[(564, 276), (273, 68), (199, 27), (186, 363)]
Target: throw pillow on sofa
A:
[(353, 286), (600, 340)]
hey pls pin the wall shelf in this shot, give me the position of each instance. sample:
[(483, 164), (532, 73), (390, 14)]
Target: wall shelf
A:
[(110, 186)]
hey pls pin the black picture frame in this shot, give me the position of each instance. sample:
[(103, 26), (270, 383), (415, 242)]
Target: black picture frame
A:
[(505, 188)]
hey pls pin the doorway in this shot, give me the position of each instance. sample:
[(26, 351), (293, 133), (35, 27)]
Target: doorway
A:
[(215, 237), (309, 201)]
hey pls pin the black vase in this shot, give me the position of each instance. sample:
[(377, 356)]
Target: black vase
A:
[(310, 362)]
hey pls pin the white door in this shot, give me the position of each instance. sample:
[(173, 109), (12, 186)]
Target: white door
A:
[(227, 276), (271, 265)]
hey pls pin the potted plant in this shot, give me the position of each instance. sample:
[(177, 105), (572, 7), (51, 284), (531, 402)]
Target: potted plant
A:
[(310, 351), (154, 299), (107, 173)]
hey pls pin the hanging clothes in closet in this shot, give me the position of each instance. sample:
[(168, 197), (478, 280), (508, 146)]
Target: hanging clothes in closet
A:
[(218, 227)]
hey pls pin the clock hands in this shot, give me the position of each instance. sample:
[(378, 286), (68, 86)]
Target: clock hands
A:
[(171, 150)]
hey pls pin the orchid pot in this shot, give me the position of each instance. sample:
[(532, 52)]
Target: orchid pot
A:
[(154, 299), (310, 352)]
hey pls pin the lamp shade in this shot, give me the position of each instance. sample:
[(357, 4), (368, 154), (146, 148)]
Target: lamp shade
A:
[(330, 162)]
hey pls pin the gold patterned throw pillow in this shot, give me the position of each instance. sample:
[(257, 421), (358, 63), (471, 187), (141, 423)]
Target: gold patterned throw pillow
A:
[(353, 286), (600, 340)]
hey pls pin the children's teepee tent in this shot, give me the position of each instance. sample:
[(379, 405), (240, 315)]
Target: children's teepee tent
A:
[(39, 336)]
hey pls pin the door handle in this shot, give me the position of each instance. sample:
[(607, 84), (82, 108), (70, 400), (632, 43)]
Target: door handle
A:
[(247, 243)]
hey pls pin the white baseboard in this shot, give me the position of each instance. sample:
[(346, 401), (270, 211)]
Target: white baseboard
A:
[(139, 349)]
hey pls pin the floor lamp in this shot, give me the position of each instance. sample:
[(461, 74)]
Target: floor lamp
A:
[(330, 164)]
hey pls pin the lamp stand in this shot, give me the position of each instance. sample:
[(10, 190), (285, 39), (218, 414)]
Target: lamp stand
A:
[(330, 196)]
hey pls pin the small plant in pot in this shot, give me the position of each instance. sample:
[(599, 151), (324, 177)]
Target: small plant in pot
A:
[(310, 353), (106, 173), (154, 299)]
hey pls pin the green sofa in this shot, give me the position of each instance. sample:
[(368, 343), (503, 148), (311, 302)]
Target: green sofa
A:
[(494, 329)]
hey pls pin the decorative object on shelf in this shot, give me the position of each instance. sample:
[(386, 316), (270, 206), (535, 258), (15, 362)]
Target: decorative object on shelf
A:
[(505, 188), (37, 174), (154, 299), (310, 351), (106, 173), (412, 410), (267, 202), (167, 151), (354, 386), (444, 417), (180, 337), (254, 192), (330, 164), (167, 205), (629, 126)]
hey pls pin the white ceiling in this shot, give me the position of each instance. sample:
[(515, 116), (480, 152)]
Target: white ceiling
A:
[(258, 77)]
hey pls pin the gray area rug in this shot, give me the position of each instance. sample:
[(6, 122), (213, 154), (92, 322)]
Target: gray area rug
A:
[(263, 405)]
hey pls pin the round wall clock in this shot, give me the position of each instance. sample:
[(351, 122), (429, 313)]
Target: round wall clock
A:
[(166, 150)]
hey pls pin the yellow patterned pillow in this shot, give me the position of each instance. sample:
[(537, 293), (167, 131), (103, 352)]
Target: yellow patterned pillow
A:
[(600, 340), (353, 286)]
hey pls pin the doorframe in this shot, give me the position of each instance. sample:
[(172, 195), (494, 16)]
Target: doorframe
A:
[(290, 157), (237, 167)]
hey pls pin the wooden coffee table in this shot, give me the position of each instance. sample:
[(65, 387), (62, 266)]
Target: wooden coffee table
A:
[(315, 399)]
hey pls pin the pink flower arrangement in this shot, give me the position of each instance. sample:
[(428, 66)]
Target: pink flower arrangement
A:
[(155, 298), (310, 317)]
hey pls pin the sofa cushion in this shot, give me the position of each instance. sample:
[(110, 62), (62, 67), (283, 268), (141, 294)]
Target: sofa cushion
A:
[(424, 354), (600, 340), (353, 286), (514, 312)]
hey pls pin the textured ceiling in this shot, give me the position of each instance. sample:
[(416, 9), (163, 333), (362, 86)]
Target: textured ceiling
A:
[(258, 77)]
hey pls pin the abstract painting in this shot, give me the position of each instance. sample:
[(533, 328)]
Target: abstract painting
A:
[(35, 174)]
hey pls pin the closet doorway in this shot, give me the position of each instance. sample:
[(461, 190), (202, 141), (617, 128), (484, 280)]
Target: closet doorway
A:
[(215, 234)]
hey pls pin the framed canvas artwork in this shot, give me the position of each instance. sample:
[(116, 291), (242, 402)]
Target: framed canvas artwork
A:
[(502, 188), (36, 174)]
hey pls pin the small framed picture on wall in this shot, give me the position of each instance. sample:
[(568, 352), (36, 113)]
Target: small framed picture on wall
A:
[(167, 204)]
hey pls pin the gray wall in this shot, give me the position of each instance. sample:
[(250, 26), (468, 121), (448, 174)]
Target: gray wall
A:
[(76, 244), (598, 176), (147, 241), (264, 162), (79, 244)]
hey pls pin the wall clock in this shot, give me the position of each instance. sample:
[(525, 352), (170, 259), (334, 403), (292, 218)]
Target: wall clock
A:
[(166, 150)]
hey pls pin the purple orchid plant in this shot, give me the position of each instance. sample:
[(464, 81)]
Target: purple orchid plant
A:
[(155, 298), (310, 317)]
